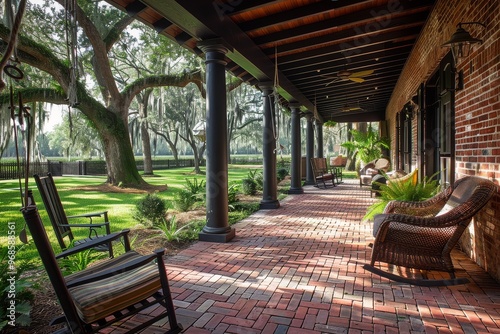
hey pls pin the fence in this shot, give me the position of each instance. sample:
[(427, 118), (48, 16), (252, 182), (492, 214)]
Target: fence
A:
[(10, 170)]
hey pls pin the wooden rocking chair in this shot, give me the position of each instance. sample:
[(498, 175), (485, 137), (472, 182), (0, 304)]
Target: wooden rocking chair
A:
[(57, 215), (321, 173), (108, 292), (421, 235)]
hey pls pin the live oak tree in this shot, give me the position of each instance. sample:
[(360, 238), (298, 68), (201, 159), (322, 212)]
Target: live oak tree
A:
[(42, 43)]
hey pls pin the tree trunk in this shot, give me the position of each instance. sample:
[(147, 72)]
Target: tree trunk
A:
[(119, 155), (120, 162), (146, 149), (197, 169), (146, 142), (351, 156)]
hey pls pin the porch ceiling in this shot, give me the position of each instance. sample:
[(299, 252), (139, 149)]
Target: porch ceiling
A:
[(310, 41)]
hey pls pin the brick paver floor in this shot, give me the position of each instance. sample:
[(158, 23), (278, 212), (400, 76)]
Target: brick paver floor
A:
[(298, 269)]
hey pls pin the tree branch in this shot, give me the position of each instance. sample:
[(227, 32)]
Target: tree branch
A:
[(114, 33), (100, 61), (12, 40), (48, 95), (233, 84), (39, 56), (249, 122), (164, 80)]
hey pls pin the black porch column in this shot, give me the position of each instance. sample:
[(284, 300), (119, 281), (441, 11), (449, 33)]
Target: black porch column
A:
[(296, 179), (270, 186), (309, 149), (217, 228), (319, 139)]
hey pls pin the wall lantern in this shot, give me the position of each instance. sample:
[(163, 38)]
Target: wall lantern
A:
[(461, 41)]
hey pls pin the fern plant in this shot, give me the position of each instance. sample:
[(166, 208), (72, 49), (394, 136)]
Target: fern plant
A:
[(403, 191), (232, 193), (77, 262), (197, 189), (172, 231), (257, 177), (184, 200), (169, 228)]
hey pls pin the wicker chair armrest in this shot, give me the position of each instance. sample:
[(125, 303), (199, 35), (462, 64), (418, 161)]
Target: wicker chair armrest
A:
[(106, 239), (427, 208), (382, 227), (133, 264)]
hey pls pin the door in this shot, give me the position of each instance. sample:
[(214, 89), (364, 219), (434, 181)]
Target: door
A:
[(438, 124)]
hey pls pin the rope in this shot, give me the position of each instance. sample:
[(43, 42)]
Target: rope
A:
[(71, 50), (11, 70), (12, 108), (276, 95)]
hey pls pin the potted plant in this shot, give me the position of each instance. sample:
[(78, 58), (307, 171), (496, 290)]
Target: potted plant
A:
[(406, 190)]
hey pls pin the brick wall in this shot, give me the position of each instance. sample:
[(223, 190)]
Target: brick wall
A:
[(477, 108)]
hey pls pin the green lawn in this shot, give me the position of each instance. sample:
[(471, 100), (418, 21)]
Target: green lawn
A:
[(119, 205)]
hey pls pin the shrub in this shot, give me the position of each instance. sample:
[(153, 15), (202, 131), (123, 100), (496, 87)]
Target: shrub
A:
[(191, 233), (249, 186), (150, 210), (258, 177), (232, 193), (282, 173), (239, 211), (184, 200)]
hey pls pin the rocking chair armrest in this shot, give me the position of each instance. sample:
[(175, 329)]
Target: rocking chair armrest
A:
[(89, 215), (420, 209), (86, 225), (383, 221), (427, 208), (95, 242), (133, 264)]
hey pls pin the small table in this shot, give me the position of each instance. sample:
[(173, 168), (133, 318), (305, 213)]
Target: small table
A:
[(337, 170)]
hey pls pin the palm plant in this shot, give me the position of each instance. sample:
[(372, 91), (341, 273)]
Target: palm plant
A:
[(368, 145)]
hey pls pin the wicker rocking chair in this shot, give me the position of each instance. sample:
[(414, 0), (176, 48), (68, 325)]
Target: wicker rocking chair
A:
[(421, 235), (109, 292)]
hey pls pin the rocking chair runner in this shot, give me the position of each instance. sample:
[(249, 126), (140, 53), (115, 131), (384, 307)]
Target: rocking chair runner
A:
[(421, 235), (108, 292), (59, 220)]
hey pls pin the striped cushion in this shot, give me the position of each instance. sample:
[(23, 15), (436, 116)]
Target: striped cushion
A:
[(100, 299)]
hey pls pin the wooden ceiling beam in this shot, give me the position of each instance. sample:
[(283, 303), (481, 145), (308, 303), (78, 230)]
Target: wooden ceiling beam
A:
[(300, 12), (395, 61), (358, 19), (345, 36), (135, 8), (349, 49)]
